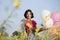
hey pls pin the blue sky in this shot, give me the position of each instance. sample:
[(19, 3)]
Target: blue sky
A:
[(37, 6)]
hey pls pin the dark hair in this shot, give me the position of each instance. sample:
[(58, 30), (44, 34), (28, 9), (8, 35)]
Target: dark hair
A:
[(25, 15)]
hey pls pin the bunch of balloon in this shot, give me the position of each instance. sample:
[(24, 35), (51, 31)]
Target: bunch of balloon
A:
[(56, 22), (47, 21)]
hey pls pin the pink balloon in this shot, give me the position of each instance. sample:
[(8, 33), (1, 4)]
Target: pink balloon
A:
[(56, 18)]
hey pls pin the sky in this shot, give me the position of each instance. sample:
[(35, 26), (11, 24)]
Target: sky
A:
[(37, 6)]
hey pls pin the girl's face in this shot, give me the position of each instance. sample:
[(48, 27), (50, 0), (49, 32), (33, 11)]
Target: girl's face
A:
[(29, 15)]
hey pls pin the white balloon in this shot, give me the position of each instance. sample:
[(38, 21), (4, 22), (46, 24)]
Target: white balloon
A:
[(49, 23), (45, 15)]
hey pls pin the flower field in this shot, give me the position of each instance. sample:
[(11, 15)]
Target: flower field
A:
[(43, 35)]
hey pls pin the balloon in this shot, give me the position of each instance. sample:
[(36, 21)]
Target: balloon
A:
[(49, 23), (45, 15), (56, 18)]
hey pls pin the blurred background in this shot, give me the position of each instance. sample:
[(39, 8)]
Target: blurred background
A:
[(7, 9)]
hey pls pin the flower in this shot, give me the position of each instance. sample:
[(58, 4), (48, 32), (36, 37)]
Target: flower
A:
[(57, 33), (16, 3), (37, 30), (29, 25), (0, 33), (18, 29), (16, 38), (53, 31)]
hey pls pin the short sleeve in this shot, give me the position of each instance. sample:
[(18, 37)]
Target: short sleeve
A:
[(34, 23)]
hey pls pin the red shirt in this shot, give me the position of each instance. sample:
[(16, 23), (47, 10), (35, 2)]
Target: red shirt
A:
[(32, 22)]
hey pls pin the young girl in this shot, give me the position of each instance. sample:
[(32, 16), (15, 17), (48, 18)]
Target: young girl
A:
[(30, 25)]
